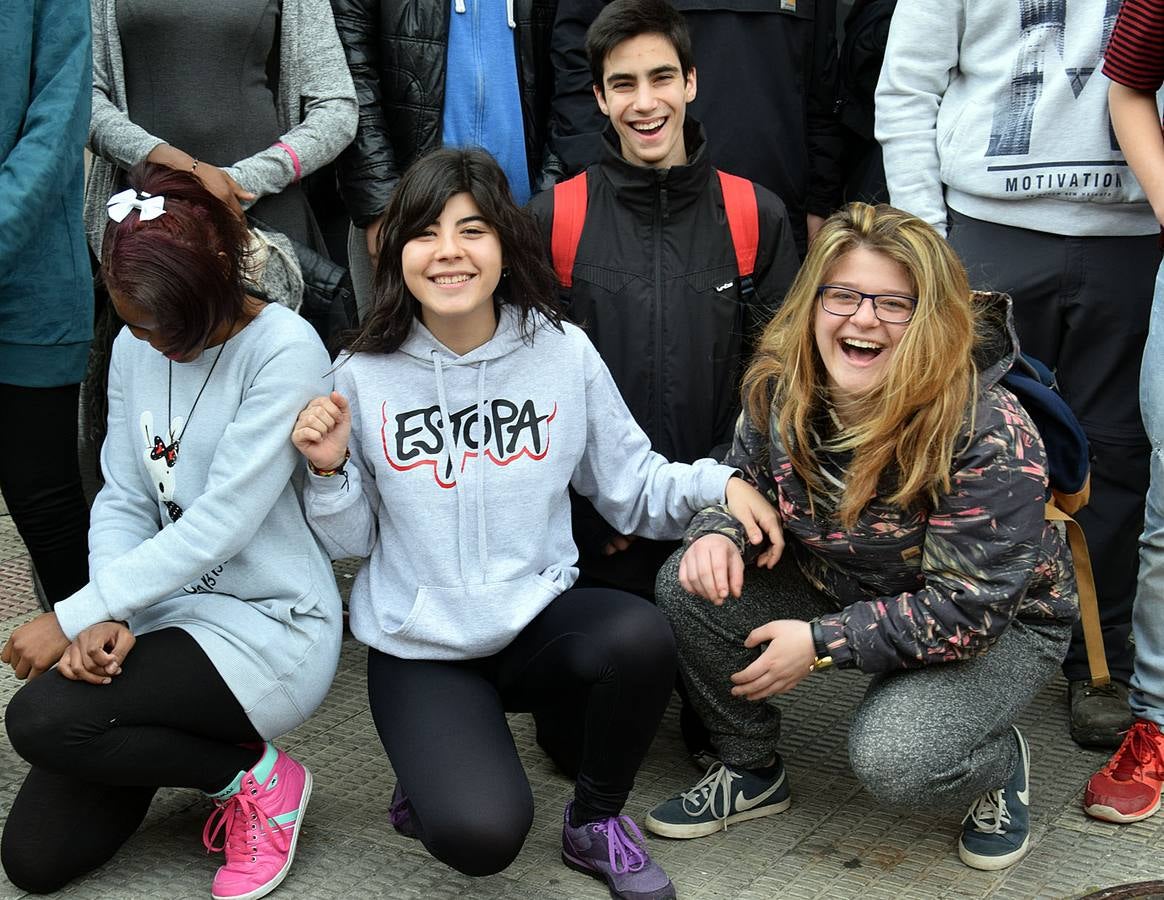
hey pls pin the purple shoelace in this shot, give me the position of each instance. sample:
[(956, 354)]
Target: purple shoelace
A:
[(625, 854)]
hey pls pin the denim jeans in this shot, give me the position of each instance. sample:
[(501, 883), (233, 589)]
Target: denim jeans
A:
[(1147, 696)]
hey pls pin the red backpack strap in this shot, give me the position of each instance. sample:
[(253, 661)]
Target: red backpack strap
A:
[(569, 217), (739, 202)]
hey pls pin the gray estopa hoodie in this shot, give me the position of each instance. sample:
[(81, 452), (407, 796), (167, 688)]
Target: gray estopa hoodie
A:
[(468, 546)]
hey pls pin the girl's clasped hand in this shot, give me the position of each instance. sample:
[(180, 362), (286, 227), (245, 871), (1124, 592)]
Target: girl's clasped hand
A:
[(97, 654)]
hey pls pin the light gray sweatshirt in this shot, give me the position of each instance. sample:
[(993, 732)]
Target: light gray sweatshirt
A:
[(239, 569), (998, 108), (457, 487)]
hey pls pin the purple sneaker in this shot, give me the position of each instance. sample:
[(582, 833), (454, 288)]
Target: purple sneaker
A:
[(400, 813), (613, 849)]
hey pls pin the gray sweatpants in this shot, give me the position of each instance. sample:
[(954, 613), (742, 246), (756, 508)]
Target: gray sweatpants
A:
[(938, 736)]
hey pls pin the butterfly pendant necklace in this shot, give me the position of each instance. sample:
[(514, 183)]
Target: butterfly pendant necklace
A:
[(169, 452)]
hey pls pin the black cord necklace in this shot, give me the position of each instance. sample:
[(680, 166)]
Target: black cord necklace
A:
[(171, 450)]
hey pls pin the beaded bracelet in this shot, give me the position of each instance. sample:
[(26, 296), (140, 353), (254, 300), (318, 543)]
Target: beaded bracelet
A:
[(327, 473)]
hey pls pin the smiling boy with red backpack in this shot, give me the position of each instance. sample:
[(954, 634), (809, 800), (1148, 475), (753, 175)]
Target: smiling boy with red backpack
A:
[(670, 266)]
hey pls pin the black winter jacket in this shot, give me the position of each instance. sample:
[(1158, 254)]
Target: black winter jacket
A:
[(655, 287), (396, 51), (766, 76)]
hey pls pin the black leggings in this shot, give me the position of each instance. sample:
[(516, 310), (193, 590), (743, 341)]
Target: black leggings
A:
[(607, 655), (41, 483), (98, 753)]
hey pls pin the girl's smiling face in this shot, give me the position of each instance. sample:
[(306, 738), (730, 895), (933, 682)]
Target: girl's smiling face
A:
[(856, 350), (452, 268)]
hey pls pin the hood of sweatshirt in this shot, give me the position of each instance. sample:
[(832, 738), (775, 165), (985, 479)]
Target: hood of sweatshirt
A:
[(996, 346)]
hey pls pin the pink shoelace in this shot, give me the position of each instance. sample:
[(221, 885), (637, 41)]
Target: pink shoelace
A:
[(625, 853), (231, 817)]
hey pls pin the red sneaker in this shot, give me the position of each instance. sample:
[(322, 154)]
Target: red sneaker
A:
[(1127, 789)]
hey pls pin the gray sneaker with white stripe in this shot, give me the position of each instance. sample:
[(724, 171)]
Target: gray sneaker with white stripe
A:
[(723, 796)]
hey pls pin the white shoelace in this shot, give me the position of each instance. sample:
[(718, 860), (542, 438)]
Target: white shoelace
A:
[(989, 813), (716, 783)]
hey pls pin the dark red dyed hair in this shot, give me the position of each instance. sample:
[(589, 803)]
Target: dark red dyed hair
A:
[(185, 267)]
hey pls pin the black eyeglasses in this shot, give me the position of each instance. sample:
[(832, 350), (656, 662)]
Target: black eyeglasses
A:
[(893, 309)]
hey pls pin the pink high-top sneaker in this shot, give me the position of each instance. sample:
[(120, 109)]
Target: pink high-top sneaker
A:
[(258, 815)]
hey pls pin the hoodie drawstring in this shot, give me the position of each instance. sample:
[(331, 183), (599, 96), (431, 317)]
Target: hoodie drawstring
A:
[(447, 434), (482, 538)]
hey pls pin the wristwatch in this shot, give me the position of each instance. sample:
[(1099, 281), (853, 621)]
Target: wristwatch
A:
[(823, 659)]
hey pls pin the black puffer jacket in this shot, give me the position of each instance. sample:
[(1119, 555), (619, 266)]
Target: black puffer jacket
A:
[(396, 52)]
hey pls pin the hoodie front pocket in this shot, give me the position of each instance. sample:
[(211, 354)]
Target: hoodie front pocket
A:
[(467, 621)]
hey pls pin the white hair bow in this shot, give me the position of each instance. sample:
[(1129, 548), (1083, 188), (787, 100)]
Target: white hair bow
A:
[(122, 204)]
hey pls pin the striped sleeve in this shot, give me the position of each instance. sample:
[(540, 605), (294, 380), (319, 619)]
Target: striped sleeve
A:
[(1135, 53)]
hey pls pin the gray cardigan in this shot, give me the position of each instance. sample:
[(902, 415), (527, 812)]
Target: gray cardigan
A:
[(312, 71)]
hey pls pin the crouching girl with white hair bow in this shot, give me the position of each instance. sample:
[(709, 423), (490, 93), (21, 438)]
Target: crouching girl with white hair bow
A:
[(211, 622)]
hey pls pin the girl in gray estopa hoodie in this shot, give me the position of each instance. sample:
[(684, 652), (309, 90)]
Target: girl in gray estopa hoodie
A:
[(462, 416)]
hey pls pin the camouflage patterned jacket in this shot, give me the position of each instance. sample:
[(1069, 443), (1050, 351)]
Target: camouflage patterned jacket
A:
[(928, 585)]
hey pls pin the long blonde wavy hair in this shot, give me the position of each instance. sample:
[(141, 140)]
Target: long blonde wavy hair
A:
[(911, 420)]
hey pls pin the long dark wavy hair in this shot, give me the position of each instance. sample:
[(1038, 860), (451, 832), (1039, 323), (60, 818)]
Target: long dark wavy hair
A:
[(418, 202)]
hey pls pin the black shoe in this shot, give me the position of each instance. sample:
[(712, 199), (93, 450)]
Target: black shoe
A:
[(1099, 715)]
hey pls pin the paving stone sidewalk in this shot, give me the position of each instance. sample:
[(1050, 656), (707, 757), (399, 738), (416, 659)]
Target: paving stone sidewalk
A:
[(833, 842)]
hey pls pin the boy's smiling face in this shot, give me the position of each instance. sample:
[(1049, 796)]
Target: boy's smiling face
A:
[(645, 95)]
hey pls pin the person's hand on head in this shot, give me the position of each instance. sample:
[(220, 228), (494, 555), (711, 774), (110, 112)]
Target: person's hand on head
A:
[(213, 178), (225, 188)]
